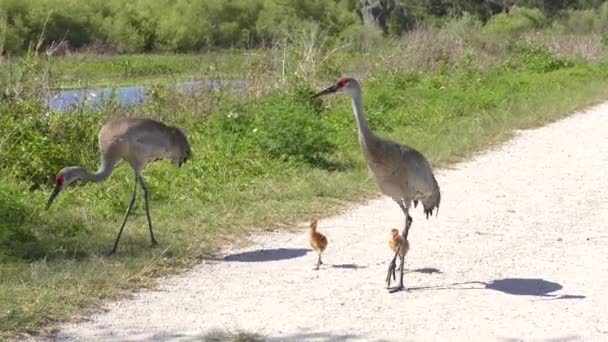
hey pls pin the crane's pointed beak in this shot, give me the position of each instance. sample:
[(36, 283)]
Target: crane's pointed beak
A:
[(53, 195), (326, 91)]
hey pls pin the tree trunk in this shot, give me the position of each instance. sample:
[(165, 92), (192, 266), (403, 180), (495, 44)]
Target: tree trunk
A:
[(380, 13)]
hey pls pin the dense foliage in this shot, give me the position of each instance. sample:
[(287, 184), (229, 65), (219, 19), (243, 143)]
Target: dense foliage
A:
[(169, 25), (195, 25)]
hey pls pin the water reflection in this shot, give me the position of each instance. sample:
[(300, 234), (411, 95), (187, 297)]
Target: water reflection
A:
[(126, 96)]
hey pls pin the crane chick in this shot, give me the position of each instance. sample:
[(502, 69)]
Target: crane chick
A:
[(400, 246), (318, 241)]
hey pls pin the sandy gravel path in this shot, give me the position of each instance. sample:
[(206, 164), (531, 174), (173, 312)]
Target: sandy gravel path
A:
[(519, 252)]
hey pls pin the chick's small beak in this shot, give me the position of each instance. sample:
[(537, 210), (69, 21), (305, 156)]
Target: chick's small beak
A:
[(53, 195), (326, 91)]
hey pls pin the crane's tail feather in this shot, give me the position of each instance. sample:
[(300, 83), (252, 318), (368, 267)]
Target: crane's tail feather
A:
[(429, 212), (434, 204)]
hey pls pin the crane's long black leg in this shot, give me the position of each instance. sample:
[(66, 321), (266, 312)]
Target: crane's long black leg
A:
[(406, 229), (408, 219), (145, 190), (124, 221), (393, 264), (319, 262)]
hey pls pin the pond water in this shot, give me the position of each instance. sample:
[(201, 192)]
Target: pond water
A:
[(126, 96)]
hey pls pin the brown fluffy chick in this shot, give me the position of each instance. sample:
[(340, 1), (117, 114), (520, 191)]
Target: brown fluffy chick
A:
[(318, 241), (398, 243), (400, 246)]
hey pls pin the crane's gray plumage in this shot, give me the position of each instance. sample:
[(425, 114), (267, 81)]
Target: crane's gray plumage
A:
[(401, 172), (138, 142)]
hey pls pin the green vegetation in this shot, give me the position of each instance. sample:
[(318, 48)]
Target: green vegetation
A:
[(143, 69), (268, 157), (79, 71), (166, 25), (200, 25)]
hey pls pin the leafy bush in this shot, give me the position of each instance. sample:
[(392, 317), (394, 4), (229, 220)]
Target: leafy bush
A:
[(166, 25), (35, 144), (25, 233), (537, 58), (518, 20), (585, 21), (286, 128)]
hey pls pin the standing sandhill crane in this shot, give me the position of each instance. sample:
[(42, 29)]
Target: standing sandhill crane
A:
[(137, 141), (401, 172)]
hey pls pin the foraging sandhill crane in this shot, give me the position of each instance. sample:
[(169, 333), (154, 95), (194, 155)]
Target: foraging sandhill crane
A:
[(138, 142), (318, 241), (401, 172)]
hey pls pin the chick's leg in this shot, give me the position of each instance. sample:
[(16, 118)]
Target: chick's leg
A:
[(402, 264), (391, 270), (319, 262), (399, 287)]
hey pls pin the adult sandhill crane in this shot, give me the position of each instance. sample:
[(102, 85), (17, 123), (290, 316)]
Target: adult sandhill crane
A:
[(401, 172), (138, 142)]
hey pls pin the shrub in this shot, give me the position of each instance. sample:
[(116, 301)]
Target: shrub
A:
[(585, 21), (536, 58), (517, 21), (287, 128), (35, 144), (26, 233), (180, 25)]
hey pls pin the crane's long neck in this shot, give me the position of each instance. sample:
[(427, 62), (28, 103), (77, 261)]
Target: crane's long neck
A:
[(366, 136), (104, 171)]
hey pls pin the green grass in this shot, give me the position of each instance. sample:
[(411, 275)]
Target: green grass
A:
[(273, 162), (145, 69)]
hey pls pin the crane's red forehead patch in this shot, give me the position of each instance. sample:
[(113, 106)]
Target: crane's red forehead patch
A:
[(59, 179), (342, 80), (394, 231)]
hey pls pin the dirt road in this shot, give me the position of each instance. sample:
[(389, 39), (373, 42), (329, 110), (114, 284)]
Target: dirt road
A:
[(519, 252)]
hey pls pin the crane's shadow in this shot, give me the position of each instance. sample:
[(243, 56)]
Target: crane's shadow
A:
[(426, 270), (348, 266), (265, 255), (276, 254), (514, 286)]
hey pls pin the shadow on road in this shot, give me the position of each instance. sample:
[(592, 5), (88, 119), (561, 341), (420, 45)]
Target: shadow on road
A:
[(512, 286), (348, 266), (551, 339), (426, 270), (316, 336), (224, 335), (262, 255)]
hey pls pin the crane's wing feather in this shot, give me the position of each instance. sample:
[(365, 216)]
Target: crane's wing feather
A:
[(420, 178)]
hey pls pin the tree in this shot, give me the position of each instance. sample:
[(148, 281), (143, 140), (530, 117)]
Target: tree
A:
[(382, 14)]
